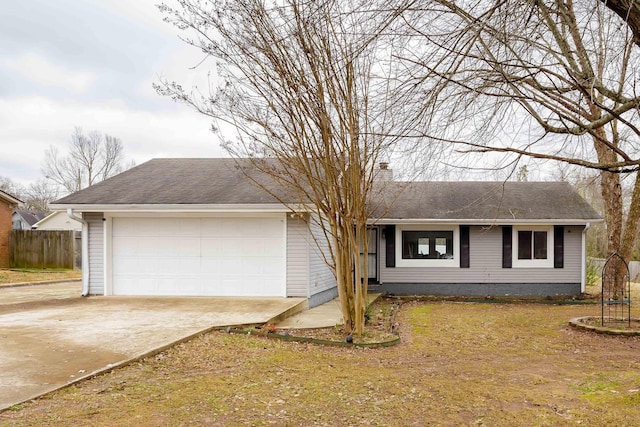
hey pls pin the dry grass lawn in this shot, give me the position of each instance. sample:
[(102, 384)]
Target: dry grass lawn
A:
[(11, 276), (458, 364)]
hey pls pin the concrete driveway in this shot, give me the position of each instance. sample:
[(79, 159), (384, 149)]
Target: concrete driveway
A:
[(49, 336)]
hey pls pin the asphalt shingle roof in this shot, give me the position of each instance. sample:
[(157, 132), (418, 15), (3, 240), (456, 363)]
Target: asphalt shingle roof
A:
[(221, 181), (176, 181), (483, 200), (30, 217)]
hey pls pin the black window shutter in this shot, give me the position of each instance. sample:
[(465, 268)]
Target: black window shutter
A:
[(506, 246), (558, 246), (464, 246), (390, 245)]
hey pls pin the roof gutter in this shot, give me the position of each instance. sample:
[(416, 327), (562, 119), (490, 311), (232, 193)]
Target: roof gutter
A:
[(495, 221), (184, 208), (85, 251)]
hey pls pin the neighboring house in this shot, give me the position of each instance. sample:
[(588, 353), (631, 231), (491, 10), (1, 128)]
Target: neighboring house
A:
[(7, 204), (201, 227), (58, 221), (25, 220)]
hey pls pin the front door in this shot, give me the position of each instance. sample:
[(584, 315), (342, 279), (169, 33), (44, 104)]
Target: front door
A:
[(372, 255)]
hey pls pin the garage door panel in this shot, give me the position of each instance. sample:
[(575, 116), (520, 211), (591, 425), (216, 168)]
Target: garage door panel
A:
[(169, 266), (198, 256), (188, 247), (229, 266), (209, 266), (273, 247), (232, 247), (125, 246), (191, 264), (148, 266), (125, 263), (142, 246), (211, 247), (190, 228)]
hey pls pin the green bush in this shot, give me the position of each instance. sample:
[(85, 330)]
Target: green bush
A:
[(593, 273)]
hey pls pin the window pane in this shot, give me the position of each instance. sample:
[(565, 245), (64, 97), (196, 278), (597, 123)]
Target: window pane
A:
[(410, 244), (423, 246), (540, 244), (524, 244)]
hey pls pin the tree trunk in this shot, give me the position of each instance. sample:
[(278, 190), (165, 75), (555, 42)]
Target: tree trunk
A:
[(632, 224), (612, 196)]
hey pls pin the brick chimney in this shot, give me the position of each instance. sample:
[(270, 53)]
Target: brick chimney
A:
[(383, 173)]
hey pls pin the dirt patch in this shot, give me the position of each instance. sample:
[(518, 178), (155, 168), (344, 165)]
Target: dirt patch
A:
[(380, 327)]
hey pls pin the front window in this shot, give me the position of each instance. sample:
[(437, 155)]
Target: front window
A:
[(427, 244), (421, 245), (531, 246)]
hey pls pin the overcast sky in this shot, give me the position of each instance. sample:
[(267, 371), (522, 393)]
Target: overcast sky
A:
[(91, 63)]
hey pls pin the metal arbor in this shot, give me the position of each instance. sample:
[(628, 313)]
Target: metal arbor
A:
[(616, 291)]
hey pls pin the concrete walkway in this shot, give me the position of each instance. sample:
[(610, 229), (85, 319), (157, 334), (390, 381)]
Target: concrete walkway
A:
[(323, 316), (326, 315)]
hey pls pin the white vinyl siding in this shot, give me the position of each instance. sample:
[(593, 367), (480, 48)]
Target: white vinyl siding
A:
[(321, 275), (486, 263), (96, 252), (297, 258)]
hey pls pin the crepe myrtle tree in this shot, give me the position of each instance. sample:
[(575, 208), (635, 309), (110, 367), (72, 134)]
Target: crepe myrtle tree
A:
[(307, 89), (557, 80)]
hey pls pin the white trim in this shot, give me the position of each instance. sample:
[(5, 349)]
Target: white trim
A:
[(173, 214), (583, 261), (108, 254), (532, 263), (453, 262), (284, 254)]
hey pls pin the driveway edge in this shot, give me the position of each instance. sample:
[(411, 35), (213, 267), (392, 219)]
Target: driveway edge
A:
[(117, 365)]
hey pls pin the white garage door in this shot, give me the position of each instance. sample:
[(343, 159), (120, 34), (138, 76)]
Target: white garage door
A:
[(198, 256)]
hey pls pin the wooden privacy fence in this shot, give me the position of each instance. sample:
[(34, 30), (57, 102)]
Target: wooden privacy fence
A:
[(44, 249)]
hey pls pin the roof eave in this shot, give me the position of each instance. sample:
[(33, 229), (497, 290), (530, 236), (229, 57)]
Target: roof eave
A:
[(492, 221), (14, 201)]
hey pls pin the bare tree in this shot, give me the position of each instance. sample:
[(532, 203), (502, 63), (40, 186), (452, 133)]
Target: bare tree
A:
[(36, 197), (557, 80), (91, 158), (39, 195), (307, 86), (11, 187)]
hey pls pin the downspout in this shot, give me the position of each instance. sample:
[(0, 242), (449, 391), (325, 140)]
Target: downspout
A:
[(583, 266), (85, 251)]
